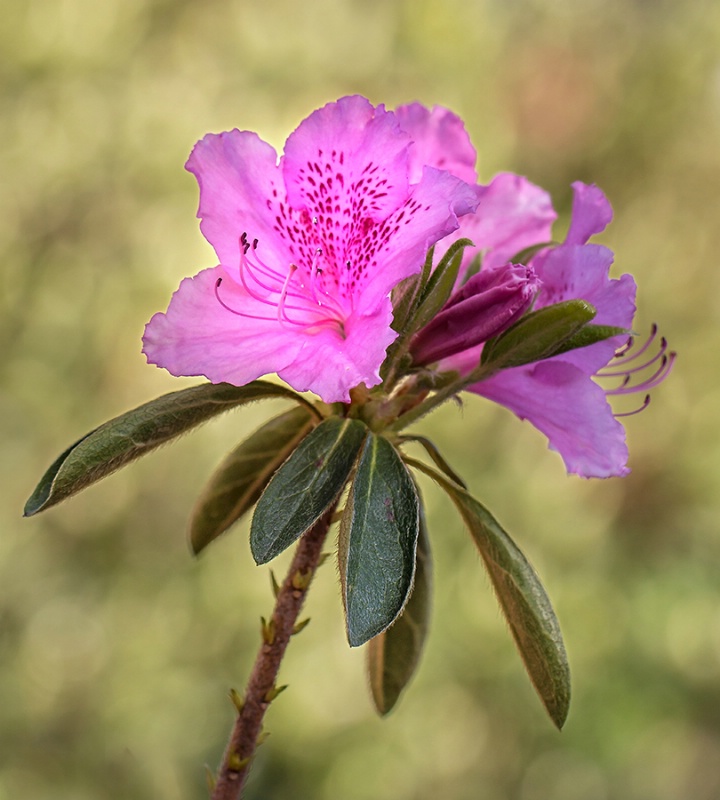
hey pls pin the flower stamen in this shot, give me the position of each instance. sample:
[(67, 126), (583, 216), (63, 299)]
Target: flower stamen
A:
[(266, 285), (645, 404), (281, 313), (627, 369), (622, 351), (232, 310)]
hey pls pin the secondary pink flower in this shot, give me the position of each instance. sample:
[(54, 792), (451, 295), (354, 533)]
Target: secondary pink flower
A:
[(559, 396), (309, 248)]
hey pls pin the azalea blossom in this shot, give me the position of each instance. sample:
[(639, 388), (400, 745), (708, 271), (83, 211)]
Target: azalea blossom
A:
[(309, 249), (561, 396)]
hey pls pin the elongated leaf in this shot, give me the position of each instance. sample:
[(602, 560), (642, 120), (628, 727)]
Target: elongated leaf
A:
[(394, 654), (522, 598), (472, 269), (590, 334), (378, 540), (538, 335), (440, 286), (305, 486), (131, 435), (525, 255), (238, 482), (436, 456), (406, 295), (405, 299)]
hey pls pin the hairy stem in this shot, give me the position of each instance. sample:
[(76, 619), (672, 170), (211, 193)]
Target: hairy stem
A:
[(261, 688)]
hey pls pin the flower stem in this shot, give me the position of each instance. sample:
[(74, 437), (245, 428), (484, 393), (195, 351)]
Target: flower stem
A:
[(261, 688)]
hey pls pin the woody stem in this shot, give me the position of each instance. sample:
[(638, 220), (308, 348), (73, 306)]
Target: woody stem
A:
[(261, 687)]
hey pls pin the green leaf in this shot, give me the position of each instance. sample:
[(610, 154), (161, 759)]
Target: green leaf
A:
[(305, 486), (522, 598), (378, 540), (436, 456), (131, 435), (538, 335), (525, 255), (240, 479), (591, 334), (405, 298), (394, 654), (407, 293), (440, 286), (472, 269)]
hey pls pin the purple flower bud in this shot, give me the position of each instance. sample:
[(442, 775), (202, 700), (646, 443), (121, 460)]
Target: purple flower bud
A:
[(489, 303)]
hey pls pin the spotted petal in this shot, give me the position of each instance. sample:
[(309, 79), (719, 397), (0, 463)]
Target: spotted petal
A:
[(347, 160), (309, 250)]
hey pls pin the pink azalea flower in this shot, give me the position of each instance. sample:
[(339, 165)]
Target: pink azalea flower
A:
[(559, 395), (310, 247)]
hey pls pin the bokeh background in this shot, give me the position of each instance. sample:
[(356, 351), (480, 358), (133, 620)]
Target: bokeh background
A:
[(117, 648)]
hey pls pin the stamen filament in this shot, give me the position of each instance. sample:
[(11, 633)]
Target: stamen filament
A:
[(234, 311), (281, 315), (269, 287), (621, 351), (615, 373), (645, 404), (620, 369), (656, 378)]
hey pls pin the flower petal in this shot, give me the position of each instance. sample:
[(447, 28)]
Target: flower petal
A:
[(570, 409), (347, 159), (582, 271), (591, 213), (439, 140), (431, 213), (513, 214), (237, 173), (330, 364), (197, 336)]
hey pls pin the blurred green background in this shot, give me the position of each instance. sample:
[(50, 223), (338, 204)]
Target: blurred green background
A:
[(117, 648)]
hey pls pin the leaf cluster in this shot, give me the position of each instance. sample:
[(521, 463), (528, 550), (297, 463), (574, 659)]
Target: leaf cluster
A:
[(296, 468)]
